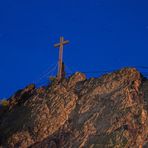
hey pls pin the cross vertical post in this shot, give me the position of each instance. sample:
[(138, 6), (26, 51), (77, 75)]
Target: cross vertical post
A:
[(60, 62)]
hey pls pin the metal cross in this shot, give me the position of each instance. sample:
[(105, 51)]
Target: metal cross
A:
[(60, 62)]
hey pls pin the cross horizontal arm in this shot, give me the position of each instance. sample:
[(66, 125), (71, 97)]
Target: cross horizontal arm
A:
[(56, 45), (63, 43)]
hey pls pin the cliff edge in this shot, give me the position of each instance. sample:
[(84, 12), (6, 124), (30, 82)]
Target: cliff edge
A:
[(105, 112)]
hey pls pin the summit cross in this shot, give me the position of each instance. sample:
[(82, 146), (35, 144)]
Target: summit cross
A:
[(60, 62)]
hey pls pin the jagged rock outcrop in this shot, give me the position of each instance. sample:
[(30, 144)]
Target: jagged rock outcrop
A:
[(105, 112)]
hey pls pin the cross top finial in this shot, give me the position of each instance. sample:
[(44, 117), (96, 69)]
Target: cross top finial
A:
[(60, 62)]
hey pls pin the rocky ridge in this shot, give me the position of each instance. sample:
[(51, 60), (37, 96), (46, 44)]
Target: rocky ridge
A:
[(105, 112)]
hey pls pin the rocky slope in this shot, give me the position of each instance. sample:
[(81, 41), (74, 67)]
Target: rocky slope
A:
[(105, 112)]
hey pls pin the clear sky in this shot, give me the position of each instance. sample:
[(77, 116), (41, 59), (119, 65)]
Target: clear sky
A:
[(103, 34)]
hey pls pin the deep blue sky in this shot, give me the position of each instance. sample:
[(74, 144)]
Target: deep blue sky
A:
[(103, 34)]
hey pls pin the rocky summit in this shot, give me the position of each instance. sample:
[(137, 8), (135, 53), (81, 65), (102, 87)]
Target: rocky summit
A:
[(106, 112)]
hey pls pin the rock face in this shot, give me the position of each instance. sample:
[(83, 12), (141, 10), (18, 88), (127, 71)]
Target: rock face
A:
[(105, 112)]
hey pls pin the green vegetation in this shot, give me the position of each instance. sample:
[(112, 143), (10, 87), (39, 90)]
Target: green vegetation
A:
[(4, 103)]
